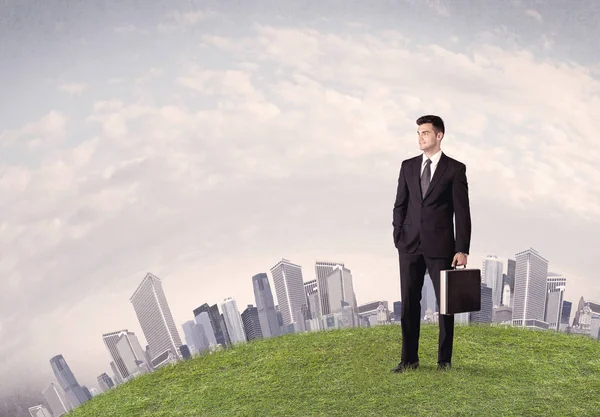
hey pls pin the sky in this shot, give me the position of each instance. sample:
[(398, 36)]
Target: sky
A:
[(205, 141)]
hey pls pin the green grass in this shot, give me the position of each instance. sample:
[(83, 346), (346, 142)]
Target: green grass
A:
[(496, 371)]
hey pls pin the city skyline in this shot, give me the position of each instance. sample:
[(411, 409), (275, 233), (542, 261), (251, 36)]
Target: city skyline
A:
[(185, 139), (551, 281)]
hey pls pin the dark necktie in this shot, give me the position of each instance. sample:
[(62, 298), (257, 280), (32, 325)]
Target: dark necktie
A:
[(426, 177)]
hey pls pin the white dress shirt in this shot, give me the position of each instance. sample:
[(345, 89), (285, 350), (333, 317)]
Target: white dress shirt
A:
[(434, 162)]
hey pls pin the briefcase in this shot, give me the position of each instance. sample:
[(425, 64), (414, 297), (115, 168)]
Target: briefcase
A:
[(460, 290)]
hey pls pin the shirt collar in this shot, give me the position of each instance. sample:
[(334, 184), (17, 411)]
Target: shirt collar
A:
[(434, 158)]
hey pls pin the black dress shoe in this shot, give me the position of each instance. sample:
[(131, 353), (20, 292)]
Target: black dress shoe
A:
[(444, 366), (403, 366)]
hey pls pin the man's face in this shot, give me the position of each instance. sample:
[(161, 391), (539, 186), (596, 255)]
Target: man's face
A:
[(428, 139)]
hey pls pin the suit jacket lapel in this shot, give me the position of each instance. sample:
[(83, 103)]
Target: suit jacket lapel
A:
[(439, 171)]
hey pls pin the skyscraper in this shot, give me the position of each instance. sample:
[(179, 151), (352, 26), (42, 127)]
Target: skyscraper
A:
[(233, 321), (491, 273), (130, 339), (341, 289), (105, 382), (153, 313), (289, 287), (56, 399), (485, 314), (215, 323), (251, 322), (265, 305), (556, 280), (529, 302), (204, 330), (322, 270), (67, 381)]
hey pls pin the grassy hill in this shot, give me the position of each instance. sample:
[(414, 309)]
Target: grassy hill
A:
[(496, 372)]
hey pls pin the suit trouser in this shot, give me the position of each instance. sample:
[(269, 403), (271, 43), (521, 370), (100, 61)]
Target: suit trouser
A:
[(412, 275)]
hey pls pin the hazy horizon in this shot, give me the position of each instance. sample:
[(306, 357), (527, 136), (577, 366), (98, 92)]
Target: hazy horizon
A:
[(205, 141)]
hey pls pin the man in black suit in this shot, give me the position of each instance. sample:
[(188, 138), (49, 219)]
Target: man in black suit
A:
[(432, 189)]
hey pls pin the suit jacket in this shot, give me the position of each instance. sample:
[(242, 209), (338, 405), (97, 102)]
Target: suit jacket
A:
[(429, 219)]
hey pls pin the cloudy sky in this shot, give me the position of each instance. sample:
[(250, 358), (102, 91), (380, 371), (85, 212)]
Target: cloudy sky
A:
[(205, 141)]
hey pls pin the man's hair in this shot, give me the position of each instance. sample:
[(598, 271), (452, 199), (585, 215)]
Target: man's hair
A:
[(436, 121)]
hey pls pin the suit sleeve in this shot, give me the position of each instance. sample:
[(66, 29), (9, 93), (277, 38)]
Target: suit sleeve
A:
[(400, 205), (462, 210)]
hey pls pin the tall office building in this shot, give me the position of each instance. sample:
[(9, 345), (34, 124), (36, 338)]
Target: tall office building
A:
[(56, 399), (130, 343), (215, 323), (67, 381), (529, 302), (491, 274), (556, 285), (289, 287), (322, 270), (506, 294), (511, 269), (485, 314), (554, 281), (311, 287), (265, 305), (116, 374), (509, 280), (204, 330), (195, 334), (153, 313), (233, 321), (566, 313), (105, 382), (397, 310), (341, 290), (251, 322), (314, 304)]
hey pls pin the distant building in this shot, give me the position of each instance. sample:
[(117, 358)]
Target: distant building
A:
[(154, 315), (233, 321), (484, 315), (87, 392), (185, 352), (503, 315), (397, 310), (164, 359), (289, 286), (251, 321), (530, 290), (105, 382), (67, 381), (204, 334), (56, 399), (322, 271), (265, 305), (491, 274), (123, 344), (218, 332)]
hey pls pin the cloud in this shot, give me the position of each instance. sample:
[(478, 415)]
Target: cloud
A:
[(534, 14), (74, 88), (130, 28), (46, 131), (180, 20)]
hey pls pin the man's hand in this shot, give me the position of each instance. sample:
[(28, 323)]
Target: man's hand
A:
[(459, 259)]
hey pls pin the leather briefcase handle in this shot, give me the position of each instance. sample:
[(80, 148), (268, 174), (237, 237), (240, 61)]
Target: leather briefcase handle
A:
[(456, 266)]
